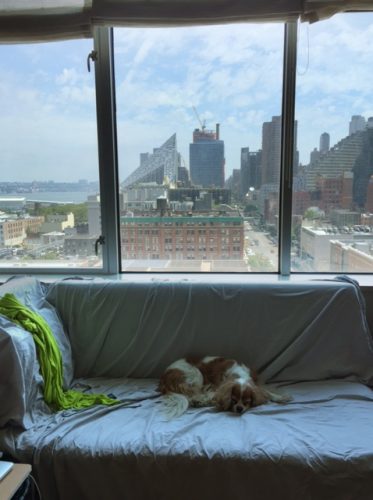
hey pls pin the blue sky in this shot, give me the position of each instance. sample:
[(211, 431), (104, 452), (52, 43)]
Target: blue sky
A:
[(231, 74)]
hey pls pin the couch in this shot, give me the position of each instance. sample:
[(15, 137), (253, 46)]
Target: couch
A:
[(309, 339)]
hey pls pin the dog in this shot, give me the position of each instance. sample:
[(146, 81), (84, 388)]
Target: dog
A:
[(214, 381)]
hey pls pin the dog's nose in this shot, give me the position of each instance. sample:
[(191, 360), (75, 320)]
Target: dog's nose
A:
[(239, 409)]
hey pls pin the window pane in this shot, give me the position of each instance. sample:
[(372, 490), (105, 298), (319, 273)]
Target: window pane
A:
[(333, 188), (199, 132), (49, 193)]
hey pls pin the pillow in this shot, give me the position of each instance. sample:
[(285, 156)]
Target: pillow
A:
[(21, 384), (32, 293), (20, 380)]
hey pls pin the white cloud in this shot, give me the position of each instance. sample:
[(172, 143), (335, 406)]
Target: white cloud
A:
[(231, 74)]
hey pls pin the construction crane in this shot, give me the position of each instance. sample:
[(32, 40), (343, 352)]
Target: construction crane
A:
[(202, 123)]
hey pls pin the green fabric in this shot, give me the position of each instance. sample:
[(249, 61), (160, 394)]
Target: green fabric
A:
[(49, 358)]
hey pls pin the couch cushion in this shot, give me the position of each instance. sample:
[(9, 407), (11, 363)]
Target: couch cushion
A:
[(320, 446), (291, 331)]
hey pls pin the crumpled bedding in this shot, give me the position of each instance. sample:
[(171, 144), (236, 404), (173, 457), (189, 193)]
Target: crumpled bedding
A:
[(319, 446), (309, 340)]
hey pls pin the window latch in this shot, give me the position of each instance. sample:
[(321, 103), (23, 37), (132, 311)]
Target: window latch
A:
[(92, 56), (100, 241)]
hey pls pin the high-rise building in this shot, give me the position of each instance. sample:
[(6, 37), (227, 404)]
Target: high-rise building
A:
[(314, 156), (357, 123), (183, 176), (271, 151), (354, 155), (156, 166), (250, 170), (206, 158), (324, 142), (340, 158), (363, 168), (234, 183)]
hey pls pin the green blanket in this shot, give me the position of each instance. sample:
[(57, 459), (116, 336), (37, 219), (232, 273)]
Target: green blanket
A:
[(49, 357)]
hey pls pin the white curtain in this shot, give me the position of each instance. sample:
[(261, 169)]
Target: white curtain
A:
[(38, 20)]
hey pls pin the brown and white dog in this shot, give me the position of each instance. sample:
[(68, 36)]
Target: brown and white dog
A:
[(213, 381)]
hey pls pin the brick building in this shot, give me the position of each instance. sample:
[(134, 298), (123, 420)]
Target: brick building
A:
[(182, 237)]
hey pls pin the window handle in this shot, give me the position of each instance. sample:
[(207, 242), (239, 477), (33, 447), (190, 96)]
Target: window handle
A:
[(92, 56), (100, 241)]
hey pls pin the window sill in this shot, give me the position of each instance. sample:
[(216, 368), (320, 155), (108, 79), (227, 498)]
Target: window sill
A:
[(364, 280)]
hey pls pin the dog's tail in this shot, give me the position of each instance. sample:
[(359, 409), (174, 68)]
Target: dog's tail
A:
[(276, 397), (176, 404)]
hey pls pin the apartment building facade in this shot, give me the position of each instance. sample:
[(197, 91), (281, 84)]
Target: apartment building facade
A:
[(182, 237)]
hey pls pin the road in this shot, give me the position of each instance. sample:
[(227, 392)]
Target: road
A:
[(264, 246)]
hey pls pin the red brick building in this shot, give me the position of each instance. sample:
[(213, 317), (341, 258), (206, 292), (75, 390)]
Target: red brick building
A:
[(182, 237)]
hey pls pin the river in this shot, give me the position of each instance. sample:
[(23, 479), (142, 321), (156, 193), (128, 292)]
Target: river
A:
[(53, 196)]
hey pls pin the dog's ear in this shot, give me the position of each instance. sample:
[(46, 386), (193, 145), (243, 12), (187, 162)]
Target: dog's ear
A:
[(254, 374), (223, 396), (259, 396)]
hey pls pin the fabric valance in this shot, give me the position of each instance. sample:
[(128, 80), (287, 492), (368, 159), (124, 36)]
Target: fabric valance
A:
[(39, 20)]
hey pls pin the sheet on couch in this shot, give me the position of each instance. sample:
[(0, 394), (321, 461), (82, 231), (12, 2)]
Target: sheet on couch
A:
[(320, 446), (312, 330), (309, 339)]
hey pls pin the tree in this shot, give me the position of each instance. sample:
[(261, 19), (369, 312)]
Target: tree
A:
[(259, 263), (250, 208), (79, 210)]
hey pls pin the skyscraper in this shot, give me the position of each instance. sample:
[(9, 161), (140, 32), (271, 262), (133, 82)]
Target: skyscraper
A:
[(206, 158), (324, 142), (357, 123), (250, 170), (271, 151), (352, 154), (154, 167)]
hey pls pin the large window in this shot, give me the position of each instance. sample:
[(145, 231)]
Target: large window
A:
[(199, 137), (333, 186), (198, 153), (49, 192)]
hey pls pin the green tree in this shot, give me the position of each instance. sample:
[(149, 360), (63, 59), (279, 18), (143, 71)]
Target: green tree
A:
[(79, 210), (259, 263)]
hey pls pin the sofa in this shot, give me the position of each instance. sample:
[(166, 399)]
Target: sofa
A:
[(308, 339)]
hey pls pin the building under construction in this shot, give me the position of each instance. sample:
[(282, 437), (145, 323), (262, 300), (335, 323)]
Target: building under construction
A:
[(206, 158)]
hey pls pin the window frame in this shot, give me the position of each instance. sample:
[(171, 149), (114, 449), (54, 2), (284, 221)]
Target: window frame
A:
[(103, 56)]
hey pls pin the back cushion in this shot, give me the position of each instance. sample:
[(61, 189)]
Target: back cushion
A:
[(287, 331)]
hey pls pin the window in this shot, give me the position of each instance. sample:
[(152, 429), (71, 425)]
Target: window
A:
[(199, 138), (50, 214), (193, 156), (333, 185)]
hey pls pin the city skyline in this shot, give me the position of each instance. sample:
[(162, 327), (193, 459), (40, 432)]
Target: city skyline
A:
[(145, 156), (48, 122)]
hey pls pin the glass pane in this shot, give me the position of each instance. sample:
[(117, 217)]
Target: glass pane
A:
[(199, 147), (49, 193), (333, 187)]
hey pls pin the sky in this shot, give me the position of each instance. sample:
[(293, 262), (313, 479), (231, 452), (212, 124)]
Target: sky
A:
[(232, 75)]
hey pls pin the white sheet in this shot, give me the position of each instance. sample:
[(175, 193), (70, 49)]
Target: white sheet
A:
[(320, 446)]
